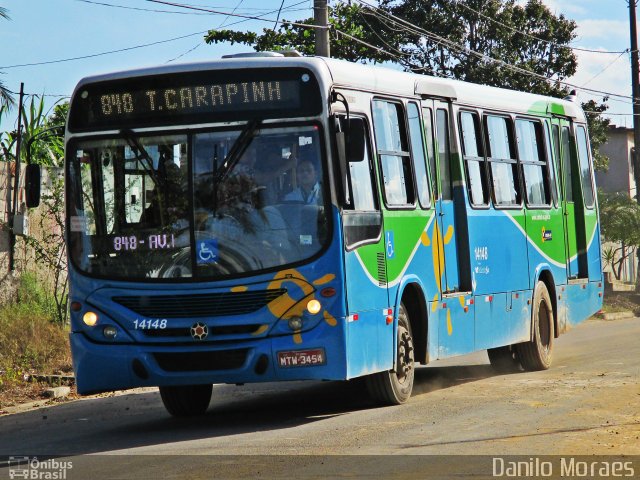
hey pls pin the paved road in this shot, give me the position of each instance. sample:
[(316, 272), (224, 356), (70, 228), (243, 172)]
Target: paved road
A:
[(587, 403)]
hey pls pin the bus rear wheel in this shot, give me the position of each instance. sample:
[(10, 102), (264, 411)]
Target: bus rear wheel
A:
[(394, 387), (536, 354), (186, 400)]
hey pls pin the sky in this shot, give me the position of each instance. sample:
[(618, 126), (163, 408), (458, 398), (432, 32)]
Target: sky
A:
[(53, 30)]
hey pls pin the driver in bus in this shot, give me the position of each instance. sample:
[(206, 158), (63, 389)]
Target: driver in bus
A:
[(309, 190)]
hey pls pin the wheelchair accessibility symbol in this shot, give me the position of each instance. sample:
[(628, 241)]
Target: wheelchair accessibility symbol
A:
[(389, 244), (207, 251)]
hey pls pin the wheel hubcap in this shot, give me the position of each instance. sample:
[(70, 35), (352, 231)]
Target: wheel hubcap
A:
[(405, 354), (543, 325)]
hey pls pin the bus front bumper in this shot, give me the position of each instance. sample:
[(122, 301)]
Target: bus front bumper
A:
[(101, 367)]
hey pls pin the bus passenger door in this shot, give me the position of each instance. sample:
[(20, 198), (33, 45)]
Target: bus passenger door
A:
[(365, 271), (572, 211), (444, 202)]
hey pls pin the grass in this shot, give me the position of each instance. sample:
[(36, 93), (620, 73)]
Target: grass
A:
[(621, 302), (30, 340)]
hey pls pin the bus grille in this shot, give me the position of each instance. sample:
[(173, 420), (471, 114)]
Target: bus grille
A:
[(199, 305), (382, 271), (213, 331), (201, 361)]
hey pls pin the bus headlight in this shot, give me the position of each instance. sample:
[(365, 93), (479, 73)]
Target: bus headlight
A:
[(90, 318), (314, 306)]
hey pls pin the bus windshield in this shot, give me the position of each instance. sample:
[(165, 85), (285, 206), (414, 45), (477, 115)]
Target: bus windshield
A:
[(206, 205)]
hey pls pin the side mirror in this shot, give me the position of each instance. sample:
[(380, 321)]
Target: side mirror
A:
[(32, 185), (355, 140)]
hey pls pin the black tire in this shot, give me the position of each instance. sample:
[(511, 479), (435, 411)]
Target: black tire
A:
[(504, 359), (186, 400), (394, 387), (536, 354)]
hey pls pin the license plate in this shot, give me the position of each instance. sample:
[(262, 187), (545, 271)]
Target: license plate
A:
[(302, 358)]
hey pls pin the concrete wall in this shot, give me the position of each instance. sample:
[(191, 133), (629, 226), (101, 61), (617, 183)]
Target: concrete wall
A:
[(619, 177)]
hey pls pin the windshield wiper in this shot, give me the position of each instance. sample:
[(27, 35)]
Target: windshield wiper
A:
[(140, 153), (237, 149)]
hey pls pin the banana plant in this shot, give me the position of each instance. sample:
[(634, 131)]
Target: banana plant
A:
[(45, 149)]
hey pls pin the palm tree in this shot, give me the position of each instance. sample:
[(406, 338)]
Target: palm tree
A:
[(6, 101)]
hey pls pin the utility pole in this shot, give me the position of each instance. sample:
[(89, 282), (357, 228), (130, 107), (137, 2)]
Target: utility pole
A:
[(16, 186), (635, 91), (321, 19)]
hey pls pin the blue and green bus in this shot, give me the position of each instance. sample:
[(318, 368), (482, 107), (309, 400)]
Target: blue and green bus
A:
[(276, 218)]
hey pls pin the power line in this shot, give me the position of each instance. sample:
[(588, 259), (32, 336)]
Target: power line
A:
[(249, 17), (174, 12), (200, 43), (278, 17), (103, 4), (197, 45), (289, 8), (611, 113), (54, 95), (82, 57), (604, 69), (232, 12)]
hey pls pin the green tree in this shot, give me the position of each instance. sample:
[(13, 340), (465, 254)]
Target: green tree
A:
[(528, 37), (503, 43), (598, 132), (620, 223)]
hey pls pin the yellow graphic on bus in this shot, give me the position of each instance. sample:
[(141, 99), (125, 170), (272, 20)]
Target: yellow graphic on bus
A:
[(437, 243), (286, 305)]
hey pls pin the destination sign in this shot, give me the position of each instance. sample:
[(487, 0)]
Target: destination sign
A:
[(196, 97)]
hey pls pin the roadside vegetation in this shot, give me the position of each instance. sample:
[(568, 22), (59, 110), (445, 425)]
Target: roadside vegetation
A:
[(33, 310), (30, 342)]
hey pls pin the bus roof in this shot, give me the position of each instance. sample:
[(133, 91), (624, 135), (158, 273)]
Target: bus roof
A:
[(379, 79)]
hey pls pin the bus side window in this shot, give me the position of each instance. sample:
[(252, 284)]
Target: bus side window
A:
[(428, 131), (361, 182), (474, 158), (551, 165), (530, 140), (585, 166), (566, 164), (393, 152), (442, 122), (502, 160), (86, 203), (418, 154)]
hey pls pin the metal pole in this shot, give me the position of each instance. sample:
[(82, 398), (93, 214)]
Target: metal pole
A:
[(16, 185), (635, 89), (321, 19)]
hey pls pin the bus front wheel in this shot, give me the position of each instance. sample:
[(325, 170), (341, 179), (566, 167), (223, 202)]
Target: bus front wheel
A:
[(536, 354), (186, 400), (394, 387)]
